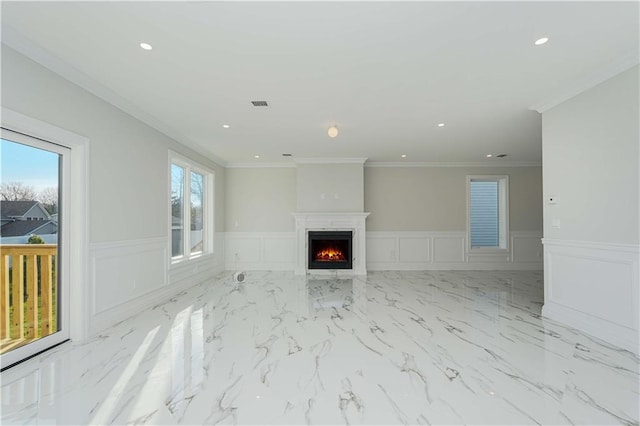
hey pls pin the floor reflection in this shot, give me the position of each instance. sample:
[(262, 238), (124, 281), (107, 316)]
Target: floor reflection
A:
[(388, 348)]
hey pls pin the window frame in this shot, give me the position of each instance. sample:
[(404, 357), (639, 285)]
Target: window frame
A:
[(503, 213), (208, 218)]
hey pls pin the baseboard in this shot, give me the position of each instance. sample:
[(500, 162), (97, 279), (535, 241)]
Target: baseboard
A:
[(461, 266), (618, 335)]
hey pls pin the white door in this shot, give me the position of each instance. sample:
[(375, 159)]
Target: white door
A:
[(34, 252)]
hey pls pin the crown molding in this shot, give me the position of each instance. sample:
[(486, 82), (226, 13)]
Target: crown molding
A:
[(35, 52), (488, 164), (356, 160), (578, 86), (259, 165)]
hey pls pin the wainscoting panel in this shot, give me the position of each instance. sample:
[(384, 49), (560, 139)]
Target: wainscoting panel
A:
[(414, 249), (243, 249), (381, 249), (594, 287), (449, 248), (386, 251), (125, 270), (278, 249), (128, 276), (424, 250), (251, 251)]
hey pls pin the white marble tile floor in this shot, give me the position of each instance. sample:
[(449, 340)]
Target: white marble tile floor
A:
[(389, 348)]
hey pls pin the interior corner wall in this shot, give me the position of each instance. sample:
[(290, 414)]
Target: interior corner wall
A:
[(128, 187), (591, 228)]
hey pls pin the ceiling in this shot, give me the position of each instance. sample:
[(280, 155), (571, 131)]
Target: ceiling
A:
[(385, 73)]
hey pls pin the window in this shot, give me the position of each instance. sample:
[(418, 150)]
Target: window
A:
[(488, 207), (191, 206)]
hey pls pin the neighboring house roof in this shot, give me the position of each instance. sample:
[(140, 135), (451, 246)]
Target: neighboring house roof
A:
[(21, 228), (9, 209)]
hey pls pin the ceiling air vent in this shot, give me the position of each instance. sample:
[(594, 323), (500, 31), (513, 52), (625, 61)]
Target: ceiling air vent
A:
[(259, 103), (286, 155), (501, 155)]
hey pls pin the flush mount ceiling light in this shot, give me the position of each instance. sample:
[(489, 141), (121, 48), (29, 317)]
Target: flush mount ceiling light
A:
[(489, 155), (440, 124), (146, 46), (541, 41), (404, 156), (226, 126), (332, 132), (256, 156)]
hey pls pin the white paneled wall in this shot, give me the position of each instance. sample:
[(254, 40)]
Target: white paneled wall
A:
[(387, 251), (447, 250), (273, 251), (127, 276), (605, 277)]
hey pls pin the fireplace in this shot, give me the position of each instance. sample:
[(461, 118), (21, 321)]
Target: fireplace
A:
[(353, 223), (330, 249)]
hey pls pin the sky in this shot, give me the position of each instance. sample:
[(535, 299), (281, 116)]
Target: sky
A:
[(32, 166)]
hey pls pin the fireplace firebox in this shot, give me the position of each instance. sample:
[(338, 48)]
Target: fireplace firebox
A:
[(330, 249)]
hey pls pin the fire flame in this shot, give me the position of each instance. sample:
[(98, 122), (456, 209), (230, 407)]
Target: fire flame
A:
[(329, 255)]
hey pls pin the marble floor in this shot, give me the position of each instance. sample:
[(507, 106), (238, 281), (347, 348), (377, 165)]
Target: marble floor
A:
[(389, 348)]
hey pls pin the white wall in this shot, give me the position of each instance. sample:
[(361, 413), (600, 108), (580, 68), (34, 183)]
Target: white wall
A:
[(128, 187), (591, 162), (330, 187)]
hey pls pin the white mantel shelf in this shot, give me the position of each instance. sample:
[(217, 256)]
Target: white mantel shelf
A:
[(331, 221)]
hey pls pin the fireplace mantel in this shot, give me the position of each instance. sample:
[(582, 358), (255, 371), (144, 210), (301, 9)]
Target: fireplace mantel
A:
[(328, 221)]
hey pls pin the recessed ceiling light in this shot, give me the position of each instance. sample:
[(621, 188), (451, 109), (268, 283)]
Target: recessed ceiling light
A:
[(226, 126), (489, 155), (256, 156), (146, 46), (404, 156), (440, 124), (541, 41), (332, 132)]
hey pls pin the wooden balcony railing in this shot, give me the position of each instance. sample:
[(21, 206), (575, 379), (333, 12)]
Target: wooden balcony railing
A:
[(28, 292)]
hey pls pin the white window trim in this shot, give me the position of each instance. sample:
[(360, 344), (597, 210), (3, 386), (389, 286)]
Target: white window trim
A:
[(208, 212), (503, 213), (78, 208)]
